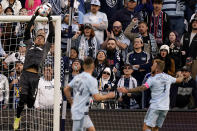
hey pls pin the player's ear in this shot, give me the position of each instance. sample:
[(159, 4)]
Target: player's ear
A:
[(156, 70), (93, 66)]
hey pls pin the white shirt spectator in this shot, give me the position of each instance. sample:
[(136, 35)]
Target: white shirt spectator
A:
[(4, 89), (45, 94), (14, 57), (16, 6), (98, 18), (2, 52), (17, 56)]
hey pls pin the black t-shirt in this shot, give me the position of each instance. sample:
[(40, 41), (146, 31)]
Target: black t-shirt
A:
[(146, 39)]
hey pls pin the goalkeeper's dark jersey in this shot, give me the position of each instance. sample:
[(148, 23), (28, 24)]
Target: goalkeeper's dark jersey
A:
[(36, 55)]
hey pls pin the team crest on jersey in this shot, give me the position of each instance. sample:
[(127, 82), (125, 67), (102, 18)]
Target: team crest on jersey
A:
[(143, 58), (111, 3), (132, 16)]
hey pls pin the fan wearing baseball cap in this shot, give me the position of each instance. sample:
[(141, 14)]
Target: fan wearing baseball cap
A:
[(128, 100), (126, 14), (97, 19), (183, 91), (95, 2)]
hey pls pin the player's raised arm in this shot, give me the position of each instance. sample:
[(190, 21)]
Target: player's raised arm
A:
[(51, 29), (67, 93), (51, 34), (180, 78), (29, 26), (100, 97)]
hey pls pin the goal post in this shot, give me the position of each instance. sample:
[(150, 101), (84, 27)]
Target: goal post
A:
[(57, 59)]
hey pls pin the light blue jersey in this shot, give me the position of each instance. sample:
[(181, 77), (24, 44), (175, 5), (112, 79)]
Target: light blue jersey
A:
[(160, 90), (84, 85)]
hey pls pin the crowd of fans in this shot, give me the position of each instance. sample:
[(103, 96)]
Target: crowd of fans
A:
[(123, 37)]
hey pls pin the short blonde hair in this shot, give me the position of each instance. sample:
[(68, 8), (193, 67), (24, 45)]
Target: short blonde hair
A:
[(160, 64)]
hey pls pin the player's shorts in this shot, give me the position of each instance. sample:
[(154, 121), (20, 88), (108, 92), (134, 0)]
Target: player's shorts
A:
[(83, 124), (29, 83), (155, 118)]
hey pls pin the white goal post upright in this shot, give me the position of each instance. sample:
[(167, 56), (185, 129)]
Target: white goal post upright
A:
[(57, 84), (56, 117)]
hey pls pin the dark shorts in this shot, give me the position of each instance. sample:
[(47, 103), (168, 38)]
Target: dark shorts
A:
[(29, 83)]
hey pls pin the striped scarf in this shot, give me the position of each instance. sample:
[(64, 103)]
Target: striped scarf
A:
[(87, 47), (156, 25)]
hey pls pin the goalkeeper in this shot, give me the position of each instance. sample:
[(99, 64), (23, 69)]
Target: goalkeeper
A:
[(35, 55)]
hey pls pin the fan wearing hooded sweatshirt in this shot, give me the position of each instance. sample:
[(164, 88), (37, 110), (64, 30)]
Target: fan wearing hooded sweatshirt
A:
[(106, 84)]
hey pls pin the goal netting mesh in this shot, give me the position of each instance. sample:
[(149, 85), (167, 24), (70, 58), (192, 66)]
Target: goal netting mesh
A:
[(12, 55)]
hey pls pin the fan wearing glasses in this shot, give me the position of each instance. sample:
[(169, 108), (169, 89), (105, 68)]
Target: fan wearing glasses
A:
[(128, 100), (122, 41), (105, 83), (105, 80)]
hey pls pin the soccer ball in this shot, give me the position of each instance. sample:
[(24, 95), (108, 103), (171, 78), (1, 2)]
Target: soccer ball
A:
[(44, 9)]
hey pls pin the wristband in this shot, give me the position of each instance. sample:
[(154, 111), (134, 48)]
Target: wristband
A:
[(50, 18), (146, 84)]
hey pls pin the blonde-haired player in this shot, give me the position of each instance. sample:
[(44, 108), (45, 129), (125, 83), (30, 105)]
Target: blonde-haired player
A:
[(159, 85)]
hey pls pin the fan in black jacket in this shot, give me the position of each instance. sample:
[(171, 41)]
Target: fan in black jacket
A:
[(181, 93)]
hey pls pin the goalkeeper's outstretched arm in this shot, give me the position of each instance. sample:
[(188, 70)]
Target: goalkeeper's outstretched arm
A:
[(29, 25), (50, 36), (51, 30)]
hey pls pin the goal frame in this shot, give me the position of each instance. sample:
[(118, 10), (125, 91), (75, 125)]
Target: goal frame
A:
[(57, 63)]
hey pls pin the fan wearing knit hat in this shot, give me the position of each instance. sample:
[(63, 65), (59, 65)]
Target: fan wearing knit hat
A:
[(165, 48), (169, 62)]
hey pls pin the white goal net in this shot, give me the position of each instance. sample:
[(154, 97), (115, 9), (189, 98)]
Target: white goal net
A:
[(45, 115)]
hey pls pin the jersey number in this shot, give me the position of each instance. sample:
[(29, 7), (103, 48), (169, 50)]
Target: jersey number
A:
[(164, 90), (80, 89)]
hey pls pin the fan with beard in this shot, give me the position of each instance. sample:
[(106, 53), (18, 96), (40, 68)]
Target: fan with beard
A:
[(111, 52), (117, 32)]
